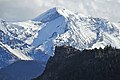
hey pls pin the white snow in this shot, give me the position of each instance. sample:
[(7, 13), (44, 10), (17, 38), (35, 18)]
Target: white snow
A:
[(16, 52), (59, 26), (75, 30), (36, 39)]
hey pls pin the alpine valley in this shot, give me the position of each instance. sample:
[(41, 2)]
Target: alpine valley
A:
[(25, 47)]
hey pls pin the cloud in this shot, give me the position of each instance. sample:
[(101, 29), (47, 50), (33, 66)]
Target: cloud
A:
[(20, 10)]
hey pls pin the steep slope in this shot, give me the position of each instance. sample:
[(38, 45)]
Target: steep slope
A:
[(36, 39), (11, 49), (6, 58), (72, 64), (62, 27)]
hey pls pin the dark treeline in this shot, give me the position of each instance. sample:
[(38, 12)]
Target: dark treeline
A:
[(72, 64)]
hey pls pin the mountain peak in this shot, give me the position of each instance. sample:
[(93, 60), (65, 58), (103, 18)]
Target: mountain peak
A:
[(56, 27), (55, 9), (52, 14), (58, 9)]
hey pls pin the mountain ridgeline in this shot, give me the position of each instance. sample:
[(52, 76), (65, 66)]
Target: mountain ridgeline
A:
[(36, 39), (72, 64)]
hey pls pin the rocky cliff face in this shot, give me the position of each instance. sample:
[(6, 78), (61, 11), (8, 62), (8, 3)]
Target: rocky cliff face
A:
[(72, 64)]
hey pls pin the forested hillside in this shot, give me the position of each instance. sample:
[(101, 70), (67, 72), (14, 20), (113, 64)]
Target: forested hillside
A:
[(72, 64)]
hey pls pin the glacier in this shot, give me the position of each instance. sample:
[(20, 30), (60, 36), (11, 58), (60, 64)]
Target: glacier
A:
[(36, 39)]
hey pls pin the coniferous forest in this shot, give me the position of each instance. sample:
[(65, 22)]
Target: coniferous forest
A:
[(72, 64)]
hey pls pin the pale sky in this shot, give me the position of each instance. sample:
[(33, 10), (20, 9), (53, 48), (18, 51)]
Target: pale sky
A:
[(21, 10)]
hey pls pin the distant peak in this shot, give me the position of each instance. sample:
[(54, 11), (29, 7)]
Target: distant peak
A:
[(57, 8), (63, 11), (48, 15), (53, 13)]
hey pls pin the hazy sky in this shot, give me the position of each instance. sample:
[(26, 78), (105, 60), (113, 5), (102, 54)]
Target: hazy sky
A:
[(20, 10)]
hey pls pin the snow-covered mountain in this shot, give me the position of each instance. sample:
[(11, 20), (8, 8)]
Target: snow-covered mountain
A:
[(36, 39)]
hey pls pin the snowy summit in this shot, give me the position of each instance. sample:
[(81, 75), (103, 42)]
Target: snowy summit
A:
[(36, 39)]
